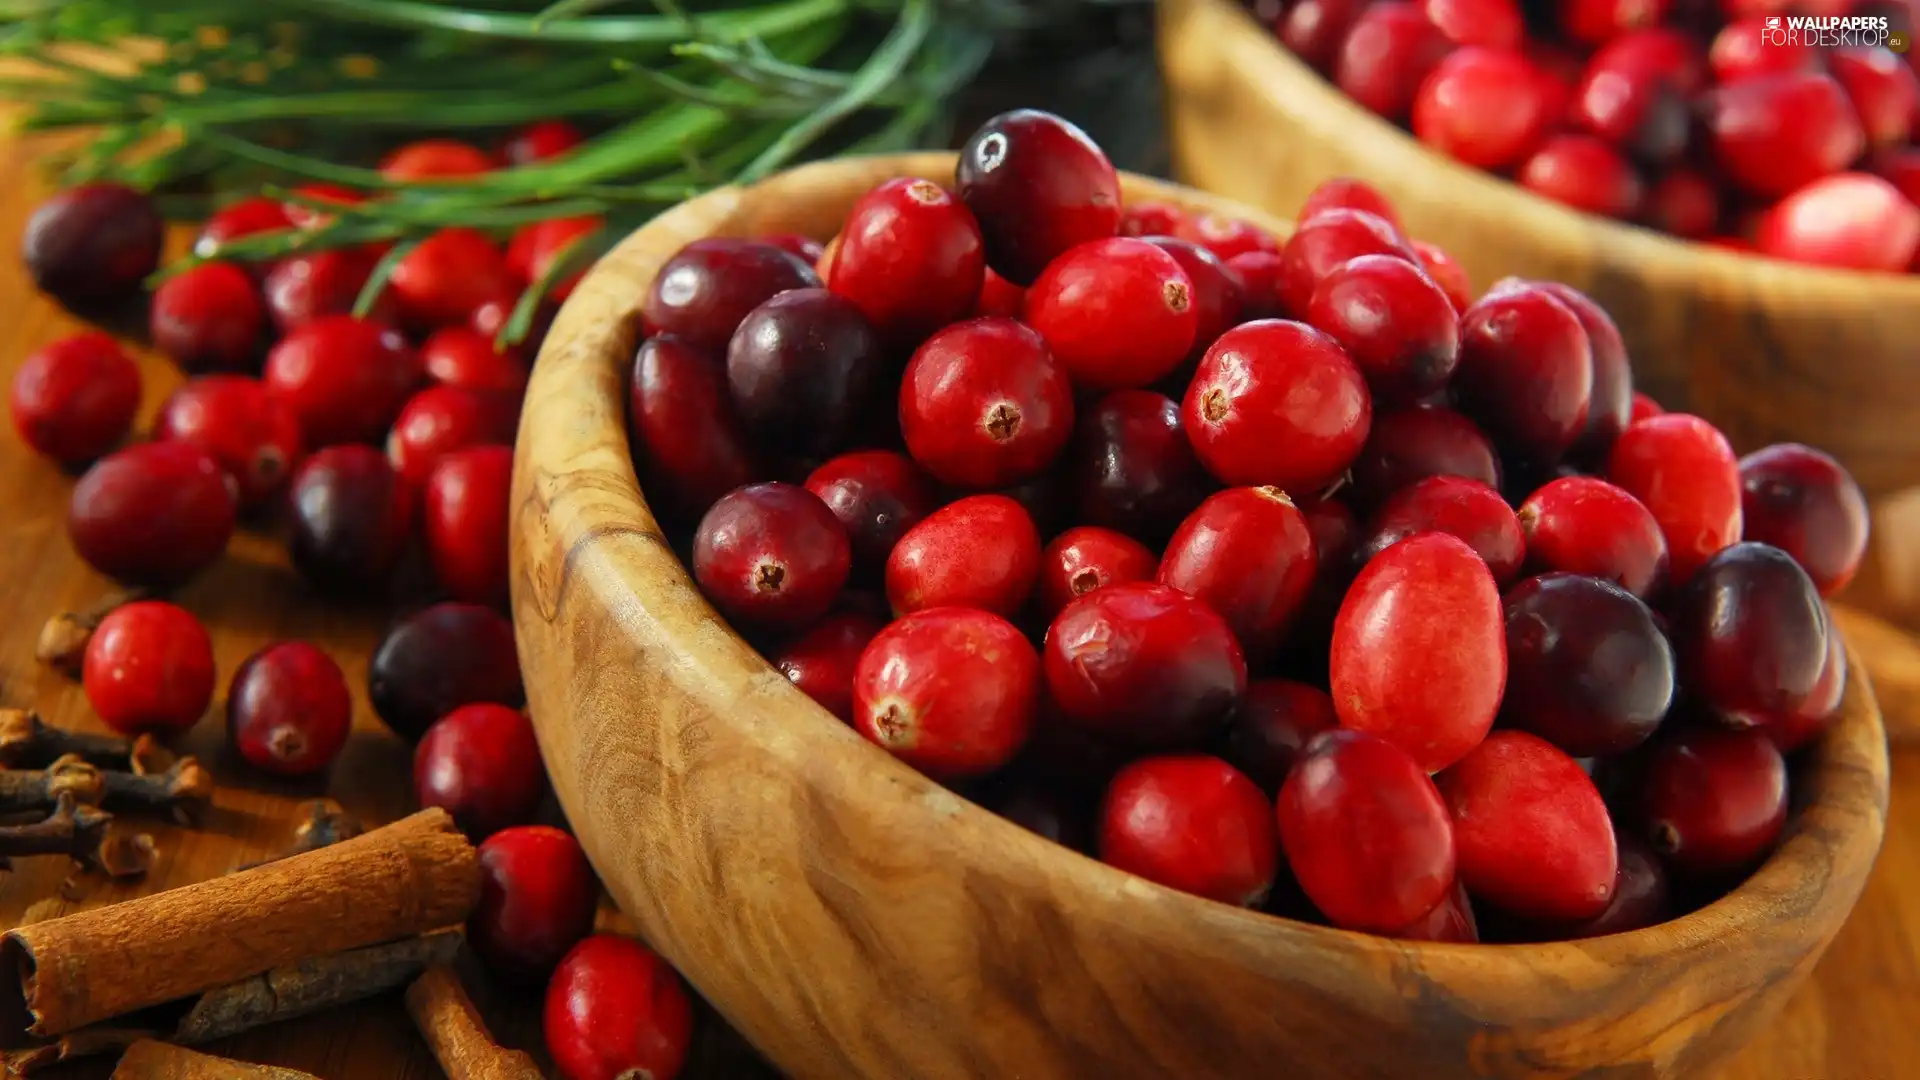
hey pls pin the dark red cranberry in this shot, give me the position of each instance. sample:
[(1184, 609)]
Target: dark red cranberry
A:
[(771, 556), (821, 662), (481, 763), (1348, 193), (1774, 133), (801, 369), (686, 438), (532, 252), (1585, 173), (1149, 219), (1485, 107), (1805, 503), (92, 244), (1224, 236), (537, 899), (1744, 48), (1526, 371), (238, 220), (1248, 554), (1216, 289), (1132, 467), (1883, 89), (1314, 29), (542, 140), (1854, 221), (303, 288), (288, 710), (1497, 24), (1384, 58), (148, 667), (703, 292), (74, 400), (1610, 406), (154, 514), (1451, 921), (983, 405), (1000, 298), (1634, 94), (1641, 897), (1407, 445), (1038, 186), (464, 522), (1259, 275), (1395, 323), (208, 318), (1326, 242), (1643, 407), (1277, 404), (1273, 725), (951, 691), (1752, 634), (1194, 823), (1117, 313), (616, 1011), (1682, 469), (911, 258), (1596, 22), (1684, 202), (980, 552), (435, 159), (252, 434), (877, 495), (1447, 273), (449, 274), (1713, 801), (1799, 727), (345, 379), (438, 659), (805, 248), (1088, 557), (442, 419), (1584, 525), (1454, 505), (352, 518), (1588, 668)]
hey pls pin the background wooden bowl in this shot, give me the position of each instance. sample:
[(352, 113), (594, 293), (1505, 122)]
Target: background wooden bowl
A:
[(856, 920), (1770, 351)]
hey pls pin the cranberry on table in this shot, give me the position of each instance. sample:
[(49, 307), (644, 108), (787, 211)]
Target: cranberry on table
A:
[(1585, 525), (74, 399), (352, 519), (253, 435), (877, 495), (984, 405), (982, 551), (439, 658), (1278, 404), (1407, 445), (481, 763), (1216, 288), (154, 514), (951, 691), (1194, 823), (1713, 801), (1395, 323), (1270, 730), (1526, 371), (1484, 107), (441, 419), (1088, 557), (1801, 726), (1248, 554), (1038, 187), (542, 140), (1326, 242), (92, 243), (450, 273), (1116, 314), (1390, 51), (537, 899), (821, 662), (616, 1011), (910, 258), (240, 219), (344, 378), (208, 318), (1643, 407), (1802, 501), (1588, 666), (707, 288), (1774, 133), (464, 521), (1683, 471), (771, 556), (1642, 896), (1751, 633), (148, 667), (687, 439), (435, 159), (300, 289), (1454, 505), (1854, 221), (304, 203), (1132, 467), (465, 356), (288, 710), (801, 369)]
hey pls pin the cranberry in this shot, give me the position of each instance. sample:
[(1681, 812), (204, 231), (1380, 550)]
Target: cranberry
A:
[(1407, 445), (1390, 50), (703, 292), (252, 434), (542, 140), (1584, 525), (1803, 502), (1684, 472), (352, 518), (1039, 187), (1798, 727), (1117, 313), (464, 522), (1365, 832), (821, 662), (536, 247), (438, 659), (92, 244), (983, 405), (441, 419), (951, 691), (1133, 469), (1643, 407), (1273, 725), (877, 495), (1395, 323), (1588, 668), (238, 220), (303, 207), (1496, 24), (148, 667), (1585, 173), (1454, 505), (801, 368), (1248, 554), (1684, 202), (154, 514), (1902, 169), (435, 159), (344, 378), (481, 763), (1634, 94), (1610, 405), (1854, 221), (1451, 921), (1775, 133), (466, 357), (1194, 823), (1315, 29), (537, 899), (1326, 242), (448, 275), (1884, 91), (1596, 22), (1752, 634), (1144, 664), (288, 710), (1259, 275), (1216, 289), (1277, 403), (1223, 236), (1484, 107), (1087, 557), (805, 248), (1526, 371), (982, 551), (910, 258), (74, 400), (208, 318), (1640, 894), (686, 438), (1447, 273), (1152, 219), (615, 1011), (1713, 801), (1000, 297), (303, 288), (1348, 193), (1743, 49), (771, 556)]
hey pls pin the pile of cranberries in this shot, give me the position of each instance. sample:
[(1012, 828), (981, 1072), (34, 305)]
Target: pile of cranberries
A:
[(1282, 572), (1694, 117)]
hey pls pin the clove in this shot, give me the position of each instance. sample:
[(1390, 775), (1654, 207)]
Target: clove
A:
[(323, 822), (183, 788), (83, 833), (63, 640), (28, 742)]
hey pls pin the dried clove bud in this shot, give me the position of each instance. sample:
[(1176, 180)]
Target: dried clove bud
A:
[(28, 742), (83, 833), (183, 788), (63, 640), (323, 822)]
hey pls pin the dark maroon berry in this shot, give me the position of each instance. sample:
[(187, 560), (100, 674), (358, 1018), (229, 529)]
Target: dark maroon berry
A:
[(537, 897), (1526, 371), (1713, 801), (1216, 288), (686, 438), (1408, 445), (352, 518), (1133, 469), (1454, 505), (438, 659), (1275, 721), (1805, 503), (1587, 666), (289, 711), (481, 763), (801, 369), (154, 514), (771, 556), (1610, 408), (1046, 810), (703, 292), (1038, 186), (821, 662), (92, 244), (1641, 895), (1751, 633), (877, 495)]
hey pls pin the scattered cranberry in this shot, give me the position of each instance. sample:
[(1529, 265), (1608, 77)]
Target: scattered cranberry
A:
[(1273, 725), (537, 898), (910, 258), (92, 243), (1088, 557), (1039, 186), (1798, 727), (154, 514), (1144, 664), (1526, 371), (481, 763), (801, 368), (877, 495), (703, 292), (1348, 193), (208, 318), (1752, 634), (303, 288), (771, 556), (442, 419), (1641, 897), (1117, 313), (464, 522), (951, 691), (1326, 242), (1391, 49), (1132, 467), (1584, 525), (1586, 173), (438, 659), (352, 518), (239, 220), (616, 1011), (1803, 502), (542, 140), (1485, 107), (345, 379), (288, 710), (1248, 554), (149, 667), (821, 662), (252, 434), (536, 247), (1454, 505), (1395, 323), (1588, 666), (74, 400), (1713, 801), (983, 405), (1193, 823), (1775, 133), (982, 551), (465, 357), (1883, 89), (1855, 221), (1277, 403), (435, 159), (1685, 203), (1681, 468), (452, 272), (1407, 445)]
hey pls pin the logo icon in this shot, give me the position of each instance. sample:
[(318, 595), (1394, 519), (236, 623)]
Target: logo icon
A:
[(1773, 22)]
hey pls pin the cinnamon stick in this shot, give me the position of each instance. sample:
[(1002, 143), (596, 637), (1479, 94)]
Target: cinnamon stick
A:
[(150, 1060), (415, 875), (457, 1036), (63, 640)]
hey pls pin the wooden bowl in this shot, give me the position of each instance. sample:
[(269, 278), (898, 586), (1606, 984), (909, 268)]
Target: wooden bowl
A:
[(856, 920), (1769, 351)]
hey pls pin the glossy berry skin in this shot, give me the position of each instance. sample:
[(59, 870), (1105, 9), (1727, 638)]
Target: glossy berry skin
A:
[(1772, 134), (1752, 634), (1641, 894), (1526, 371), (1883, 89), (617, 1011), (983, 405), (345, 379), (821, 661), (464, 356), (1313, 30), (1484, 107), (1224, 236), (910, 258), (1000, 297), (435, 159), (1588, 666), (1585, 173), (704, 291), (1132, 467), (1216, 289), (805, 248), (481, 763), (542, 140), (1272, 727), (1407, 445), (951, 691), (441, 419), (237, 220), (1116, 314), (1585, 525), (74, 399), (1194, 823), (1088, 557), (1713, 801), (92, 243), (148, 667), (1387, 55), (1151, 219), (537, 897), (1634, 93), (1682, 469), (1802, 501), (463, 520), (1365, 832), (439, 658), (1394, 322), (452, 272), (1038, 186), (1610, 404), (1458, 507), (352, 519), (302, 288), (288, 710), (801, 368), (1419, 653), (1248, 554), (688, 445), (208, 318), (1144, 665), (1684, 202), (771, 556), (1799, 727), (982, 551), (877, 495), (252, 434), (1854, 221), (1643, 407), (1531, 835), (1348, 193), (154, 514), (1259, 273), (1279, 404), (1447, 273), (1451, 921), (1326, 242)]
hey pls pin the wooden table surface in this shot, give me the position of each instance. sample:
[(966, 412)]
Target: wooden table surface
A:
[(1853, 1021)]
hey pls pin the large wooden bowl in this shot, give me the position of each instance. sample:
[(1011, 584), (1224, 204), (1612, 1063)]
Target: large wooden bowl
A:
[(1770, 351), (856, 920)]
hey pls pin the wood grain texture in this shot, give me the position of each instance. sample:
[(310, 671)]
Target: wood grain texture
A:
[(1769, 351), (858, 920)]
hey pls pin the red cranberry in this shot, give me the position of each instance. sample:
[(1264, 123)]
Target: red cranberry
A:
[(1775, 133), (1117, 313), (442, 419), (208, 318), (537, 899), (950, 691), (771, 556), (983, 405), (303, 288), (1365, 832), (464, 522), (1407, 445), (1634, 93), (303, 206), (252, 434), (1643, 407), (1144, 664), (805, 248), (1526, 371), (74, 400), (616, 1011), (288, 710), (1039, 187), (1395, 323), (452, 272), (1466, 509), (148, 667), (1314, 29), (686, 438), (1743, 49), (1273, 725), (344, 378), (877, 495), (465, 357), (979, 552), (1193, 823), (92, 244), (1684, 202), (1588, 668), (1133, 468), (1390, 50), (1248, 554), (1326, 242), (238, 220), (1855, 221), (1803, 502), (481, 763), (1585, 173), (542, 140), (435, 159), (154, 514), (703, 292), (821, 662), (1451, 921), (438, 659), (1714, 801), (1640, 894), (1152, 219), (536, 247), (1496, 24), (1752, 634), (1883, 89), (1085, 558), (911, 258), (1610, 405), (1224, 236), (1681, 468), (1216, 289), (1259, 275), (1596, 22), (1447, 273), (1277, 403), (1798, 727), (801, 369), (1348, 193), (1000, 298), (1484, 107), (1584, 525), (352, 518)]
